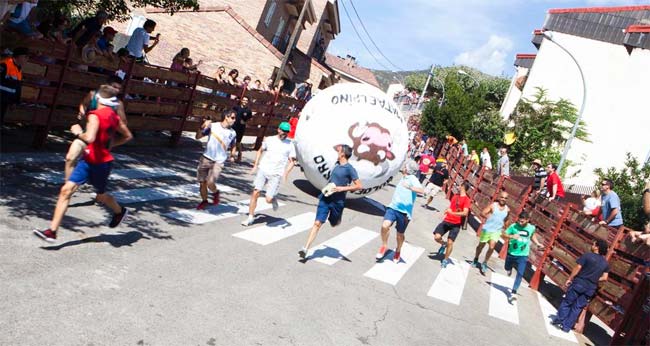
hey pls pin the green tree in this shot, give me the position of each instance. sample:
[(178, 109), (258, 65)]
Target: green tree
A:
[(116, 9), (488, 126), (541, 127), (629, 183), (457, 113)]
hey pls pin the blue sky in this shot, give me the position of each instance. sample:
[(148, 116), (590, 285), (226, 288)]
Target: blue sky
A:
[(413, 34)]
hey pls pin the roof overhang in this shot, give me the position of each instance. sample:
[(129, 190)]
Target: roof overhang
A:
[(295, 7), (334, 22)]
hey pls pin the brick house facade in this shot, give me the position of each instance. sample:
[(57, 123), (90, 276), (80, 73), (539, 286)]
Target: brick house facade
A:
[(250, 36)]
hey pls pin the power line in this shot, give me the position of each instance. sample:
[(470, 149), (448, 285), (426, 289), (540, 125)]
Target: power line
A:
[(361, 39), (370, 37)]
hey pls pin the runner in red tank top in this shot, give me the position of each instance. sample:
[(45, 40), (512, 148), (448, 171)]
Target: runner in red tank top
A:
[(95, 166), (98, 151)]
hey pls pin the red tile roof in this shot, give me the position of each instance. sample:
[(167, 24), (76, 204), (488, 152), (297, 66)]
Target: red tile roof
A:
[(599, 9), (638, 28), (354, 70), (526, 56)]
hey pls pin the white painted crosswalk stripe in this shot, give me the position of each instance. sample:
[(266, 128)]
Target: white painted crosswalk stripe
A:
[(450, 282), (219, 212), (500, 286), (14, 158), (158, 193), (547, 311), (276, 231), (117, 174), (339, 247), (389, 272)]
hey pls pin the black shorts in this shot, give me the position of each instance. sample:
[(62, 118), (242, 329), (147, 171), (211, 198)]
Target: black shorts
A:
[(239, 133), (445, 227)]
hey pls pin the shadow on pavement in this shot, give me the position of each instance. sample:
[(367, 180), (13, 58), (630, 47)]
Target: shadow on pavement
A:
[(326, 252), (115, 240)]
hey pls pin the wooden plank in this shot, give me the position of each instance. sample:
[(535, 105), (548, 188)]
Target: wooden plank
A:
[(566, 258), (579, 243), (158, 90), (83, 79), (605, 312), (34, 69), (27, 115), (154, 123), (160, 73), (153, 108)]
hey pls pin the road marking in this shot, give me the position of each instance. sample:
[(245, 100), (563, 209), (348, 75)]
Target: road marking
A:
[(219, 212), (450, 282), (332, 250), (499, 307), (14, 158), (547, 311), (117, 174), (158, 193), (278, 230), (389, 272)]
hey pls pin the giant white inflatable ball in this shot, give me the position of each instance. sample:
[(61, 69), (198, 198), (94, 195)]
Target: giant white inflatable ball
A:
[(361, 116)]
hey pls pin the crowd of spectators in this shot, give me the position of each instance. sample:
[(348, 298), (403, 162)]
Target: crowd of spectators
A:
[(93, 39)]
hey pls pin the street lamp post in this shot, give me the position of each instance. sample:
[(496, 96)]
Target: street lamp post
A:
[(567, 146), (442, 99), (468, 75), (426, 85)]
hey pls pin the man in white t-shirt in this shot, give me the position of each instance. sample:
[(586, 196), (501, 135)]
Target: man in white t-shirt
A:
[(139, 41), (221, 137), (278, 161)]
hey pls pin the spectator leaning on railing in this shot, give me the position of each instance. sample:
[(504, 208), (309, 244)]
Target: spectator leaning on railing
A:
[(644, 235), (611, 205), (88, 28), (553, 183)]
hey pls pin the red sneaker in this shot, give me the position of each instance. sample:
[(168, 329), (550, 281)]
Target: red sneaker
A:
[(48, 235), (202, 205), (396, 257), (215, 198), (380, 253)]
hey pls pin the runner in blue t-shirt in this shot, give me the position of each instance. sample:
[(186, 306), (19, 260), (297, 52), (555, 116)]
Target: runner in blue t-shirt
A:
[(330, 206), (400, 209)]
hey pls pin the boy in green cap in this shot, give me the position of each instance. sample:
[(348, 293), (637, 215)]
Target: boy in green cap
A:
[(520, 234), (279, 159)]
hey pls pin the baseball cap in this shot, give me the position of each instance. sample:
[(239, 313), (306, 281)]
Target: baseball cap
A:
[(284, 126), (109, 30)]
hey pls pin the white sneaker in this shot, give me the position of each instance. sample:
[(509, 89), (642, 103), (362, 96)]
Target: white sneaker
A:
[(274, 204), (249, 221)]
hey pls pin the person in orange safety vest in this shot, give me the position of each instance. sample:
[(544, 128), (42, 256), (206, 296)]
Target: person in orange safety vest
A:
[(11, 77)]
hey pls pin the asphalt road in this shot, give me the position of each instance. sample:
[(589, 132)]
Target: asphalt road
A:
[(157, 280)]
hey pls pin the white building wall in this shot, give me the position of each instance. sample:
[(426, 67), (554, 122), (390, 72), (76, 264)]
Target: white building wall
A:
[(513, 95), (617, 111)]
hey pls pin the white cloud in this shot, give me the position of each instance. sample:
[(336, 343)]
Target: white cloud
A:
[(490, 57)]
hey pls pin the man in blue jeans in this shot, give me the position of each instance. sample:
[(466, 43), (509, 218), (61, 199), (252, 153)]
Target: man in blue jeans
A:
[(330, 206), (591, 269), (520, 235)]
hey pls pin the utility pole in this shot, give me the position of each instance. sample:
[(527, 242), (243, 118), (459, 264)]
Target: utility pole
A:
[(292, 41), (426, 85)]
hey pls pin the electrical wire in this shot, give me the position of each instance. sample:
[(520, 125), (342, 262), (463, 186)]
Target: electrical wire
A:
[(361, 39), (370, 37)]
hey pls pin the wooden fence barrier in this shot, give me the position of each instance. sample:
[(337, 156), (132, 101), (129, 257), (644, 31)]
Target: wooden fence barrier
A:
[(567, 234), (56, 79)]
